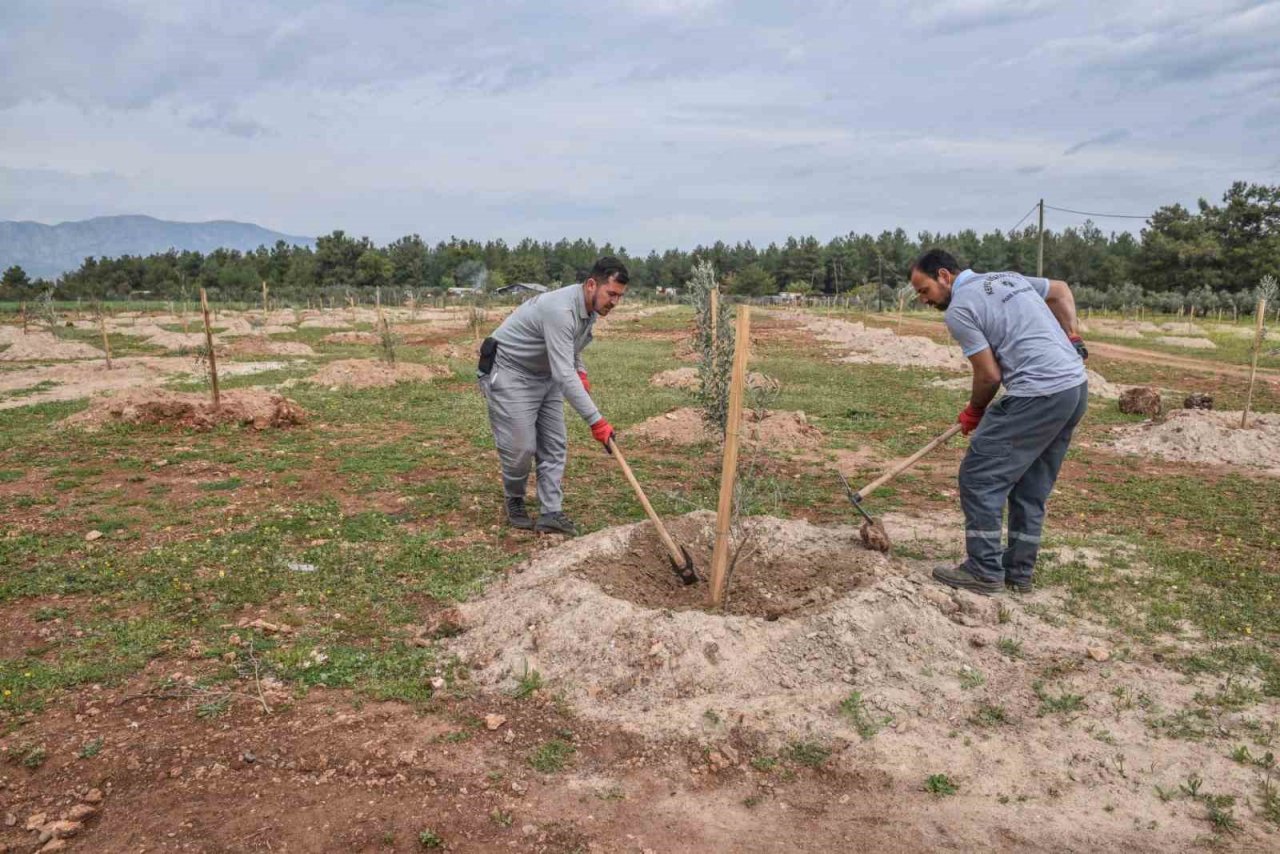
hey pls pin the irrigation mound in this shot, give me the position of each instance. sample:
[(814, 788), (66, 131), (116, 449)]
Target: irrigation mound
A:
[(40, 346), (1205, 436), (869, 345), (369, 373), (258, 345), (351, 338), (688, 379), (777, 430), (1099, 386), (245, 407), (1190, 343)]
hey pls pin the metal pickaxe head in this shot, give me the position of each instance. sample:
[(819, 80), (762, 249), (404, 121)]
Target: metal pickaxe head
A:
[(855, 499), (684, 571)]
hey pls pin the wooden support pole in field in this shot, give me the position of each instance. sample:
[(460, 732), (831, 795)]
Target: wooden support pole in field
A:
[(264, 301), (24, 318), (729, 468), (106, 345), (1258, 333), (208, 342)]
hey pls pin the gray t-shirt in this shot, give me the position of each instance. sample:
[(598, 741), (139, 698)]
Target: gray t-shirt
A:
[(1007, 312), (545, 337)]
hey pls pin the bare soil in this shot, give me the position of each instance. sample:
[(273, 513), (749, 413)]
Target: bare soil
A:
[(38, 345), (764, 584), (688, 379), (369, 373), (1190, 343), (871, 345), (260, 345), (246, 407), (1204, 436)]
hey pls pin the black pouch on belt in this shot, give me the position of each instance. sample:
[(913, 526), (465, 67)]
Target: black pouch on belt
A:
[(488, 349)]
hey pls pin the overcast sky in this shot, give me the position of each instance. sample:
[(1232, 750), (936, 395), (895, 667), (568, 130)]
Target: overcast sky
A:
[(646, 123)]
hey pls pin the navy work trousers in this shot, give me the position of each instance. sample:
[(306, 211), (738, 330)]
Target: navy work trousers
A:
[(1014, 457)]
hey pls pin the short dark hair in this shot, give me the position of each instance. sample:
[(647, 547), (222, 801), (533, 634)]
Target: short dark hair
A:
[(608, 267), (934, 260)]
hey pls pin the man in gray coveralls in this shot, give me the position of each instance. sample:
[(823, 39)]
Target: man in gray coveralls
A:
[(1019, 331), (528, 368)]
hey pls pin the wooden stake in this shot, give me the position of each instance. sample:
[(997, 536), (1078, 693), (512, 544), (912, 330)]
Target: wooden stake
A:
[(208, 341), (24, 318), (729, 468), (106, 345), (264, 300), (1253, 368)]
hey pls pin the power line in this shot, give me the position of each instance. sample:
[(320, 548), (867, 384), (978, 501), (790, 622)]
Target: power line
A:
[(1024, 216), (1089, 213)]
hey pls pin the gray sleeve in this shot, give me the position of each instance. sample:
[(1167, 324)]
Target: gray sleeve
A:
[(557, 331), (1041, 285), (964, 328)]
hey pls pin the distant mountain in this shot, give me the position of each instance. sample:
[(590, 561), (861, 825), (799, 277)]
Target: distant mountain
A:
[(51, 250)]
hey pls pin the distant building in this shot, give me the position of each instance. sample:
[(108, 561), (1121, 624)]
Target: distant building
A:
[(465, 292), (522, 289)]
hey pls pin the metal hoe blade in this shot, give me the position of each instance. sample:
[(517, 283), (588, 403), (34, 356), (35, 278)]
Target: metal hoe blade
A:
[(853, 499), (685, 571)]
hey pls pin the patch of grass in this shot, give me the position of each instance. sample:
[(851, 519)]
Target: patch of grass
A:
[(1010, 647), (430, 839), (989, 716), (220, 485), (32, 756), (48, 613), (764, 763), (91, 748), (940, 785), (1060, 704), (552, 756), (808, 753), (854, 708), (214, 707), (530, 683)]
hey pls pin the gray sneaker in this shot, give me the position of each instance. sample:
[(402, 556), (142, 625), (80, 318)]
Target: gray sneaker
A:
[(958, 576), (517, 515), (555, 523)]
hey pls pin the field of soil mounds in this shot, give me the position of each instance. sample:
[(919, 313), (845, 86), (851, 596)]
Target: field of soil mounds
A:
[(688, 379), (777, 430), (260, 345), (245, 407), (369, 373), (1206, 436), (871, 345)]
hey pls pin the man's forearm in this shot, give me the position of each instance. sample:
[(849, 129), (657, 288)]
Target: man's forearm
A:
[(1063, 305), (983, 391)]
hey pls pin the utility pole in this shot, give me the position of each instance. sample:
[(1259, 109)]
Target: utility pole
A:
[(1040, 250)]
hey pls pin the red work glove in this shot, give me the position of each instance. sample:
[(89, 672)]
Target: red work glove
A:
[(1078, 343), (602, 432), (582, 375), (969, 418)]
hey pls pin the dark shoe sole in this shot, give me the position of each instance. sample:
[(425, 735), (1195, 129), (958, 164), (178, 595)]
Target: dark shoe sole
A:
[(539, 528), (973, 585), (1024, 589), (525, 524)]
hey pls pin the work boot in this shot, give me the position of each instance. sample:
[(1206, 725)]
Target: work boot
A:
[(517, 515), (555, 523), (958, 576), (1023, 586)]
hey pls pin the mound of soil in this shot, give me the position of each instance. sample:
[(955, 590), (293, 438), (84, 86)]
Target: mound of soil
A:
[(870, 345), (40, 346), (1099, 386), (687, 379), (369, 373), (246, 407), (778, 430), (1204, 436), (1182, 328), (351, 338), (259, 345), (1192, 343), (324, 323), (768, 584), (1198, 401), (176, 341)]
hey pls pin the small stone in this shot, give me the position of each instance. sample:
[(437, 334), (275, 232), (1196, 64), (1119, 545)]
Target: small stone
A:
[(492, 722), (509, 736), (54, 845), (80, 812), (1098, 653), (93, 797), (437, 682), (63, 829), (93, 535), (36, 821)]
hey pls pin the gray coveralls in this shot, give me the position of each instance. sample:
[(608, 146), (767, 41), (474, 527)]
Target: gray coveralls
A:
[(1016, 452), (534, 371)]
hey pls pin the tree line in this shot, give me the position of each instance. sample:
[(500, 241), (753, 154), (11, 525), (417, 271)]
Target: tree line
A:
[(1214, 253)]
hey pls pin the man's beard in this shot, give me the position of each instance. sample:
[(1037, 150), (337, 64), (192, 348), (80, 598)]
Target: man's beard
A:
[(942, 306)]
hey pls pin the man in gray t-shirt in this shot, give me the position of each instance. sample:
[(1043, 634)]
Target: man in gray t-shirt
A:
[(528, 368), (1021, 332)]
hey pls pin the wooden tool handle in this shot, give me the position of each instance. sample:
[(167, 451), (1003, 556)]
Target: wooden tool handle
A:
[(670, 544), (907, 463)]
